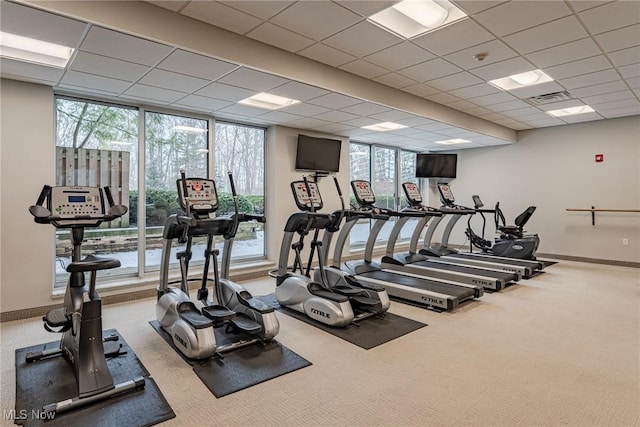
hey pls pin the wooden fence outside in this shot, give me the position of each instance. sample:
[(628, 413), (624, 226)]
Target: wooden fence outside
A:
[(96, 168)]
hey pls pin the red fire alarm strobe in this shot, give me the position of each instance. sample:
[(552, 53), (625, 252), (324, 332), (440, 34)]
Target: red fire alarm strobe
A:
[(599, 158)]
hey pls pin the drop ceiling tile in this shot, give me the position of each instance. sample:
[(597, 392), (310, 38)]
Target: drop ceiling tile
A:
[(336, 116), (107, 67), (83, 91), (30, 72), (225, 92), (242, 110), (491, 117), (363, 68), (547, 35), (91, 81), (442, 98), (334, 101), (495, 50), (399, 56), (277, 117), (203, 102), (620, 39), (599, 89), (452, 38), (629, 71), (395, 80), (279, 37), (416, 121), (590, 79), (366, 8), (392, 115), (220, 15), (307, 123), (434, 127), (122, 46), (611, 16), (576, 68), (299, 91), (572, 51), (455, 81), (492, 99), (362, 39), (537, 90), (502, 69), (475, 91), (316, 19), (34, 23), (633, 82), (259, 8), (580, 5), (362, 121), (252, 79), (515, 16), (462, 105), (191, 64), (621, 112), (472, 7), (607, 97), (506, 107), (326, 54), (304, 109), (173, 5), (625, 56), (365, 109), (420, 90), (478, 111), (155, 93), (527, 111), (613, 105), (173, 81), (429, 70), (333, 128)]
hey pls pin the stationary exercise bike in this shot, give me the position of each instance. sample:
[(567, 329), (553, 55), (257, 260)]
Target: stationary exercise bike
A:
[(80, 318), (511, 242), (191, 328)]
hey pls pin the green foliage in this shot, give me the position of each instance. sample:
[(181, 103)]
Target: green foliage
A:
[(160, 204), (226, 204), (257, 201)]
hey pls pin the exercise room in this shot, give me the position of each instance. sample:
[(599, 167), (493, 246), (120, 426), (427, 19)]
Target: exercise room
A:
[(320, 213)]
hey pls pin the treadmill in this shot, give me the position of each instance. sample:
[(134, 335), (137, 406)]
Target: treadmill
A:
[(407, 287), (414, 262), (525, 268)]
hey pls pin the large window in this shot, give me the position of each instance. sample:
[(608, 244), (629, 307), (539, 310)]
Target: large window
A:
[(386, 168), (98, 144)]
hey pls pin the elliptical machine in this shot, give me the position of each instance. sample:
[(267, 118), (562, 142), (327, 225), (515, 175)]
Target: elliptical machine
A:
[(333, 306), (192, 329), (80, 318), (512, 242)]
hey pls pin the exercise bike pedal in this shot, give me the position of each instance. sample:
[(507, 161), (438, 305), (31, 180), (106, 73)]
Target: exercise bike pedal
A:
[(218, 313), (57, 318), (246, 325), (112, 349)]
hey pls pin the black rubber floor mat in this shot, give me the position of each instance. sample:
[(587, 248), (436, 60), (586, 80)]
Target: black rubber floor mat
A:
[(53, 380), (367, 334), (241, 368)]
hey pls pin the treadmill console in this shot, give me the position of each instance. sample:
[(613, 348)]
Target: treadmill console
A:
[(412, 192), (301, 196), (446, 195), (201, 195), (363, 192)]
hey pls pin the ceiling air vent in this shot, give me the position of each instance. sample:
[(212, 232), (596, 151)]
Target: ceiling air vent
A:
[(549, 98)]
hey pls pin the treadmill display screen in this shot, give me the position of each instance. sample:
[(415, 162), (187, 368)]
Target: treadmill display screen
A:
[(363, 192), (412, 192), (445, 193)]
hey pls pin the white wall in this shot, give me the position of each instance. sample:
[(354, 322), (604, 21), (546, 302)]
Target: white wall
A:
[(554, 169), (27, 163), (281, 155)]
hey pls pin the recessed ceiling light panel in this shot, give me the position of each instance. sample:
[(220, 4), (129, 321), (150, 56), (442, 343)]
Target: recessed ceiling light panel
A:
[(39, 52), (453, 141), (268, 101), (517, 81), (385, 126), (411, 18), (571, 111)]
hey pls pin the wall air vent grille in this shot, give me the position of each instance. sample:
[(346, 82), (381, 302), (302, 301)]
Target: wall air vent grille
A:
[(549, 98)]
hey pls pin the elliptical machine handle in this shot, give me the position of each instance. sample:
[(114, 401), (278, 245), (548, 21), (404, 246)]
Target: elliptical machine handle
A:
[(306, 185)]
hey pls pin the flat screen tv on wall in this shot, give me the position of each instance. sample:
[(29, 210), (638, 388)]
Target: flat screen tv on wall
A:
[(318, 154), (436, 165)]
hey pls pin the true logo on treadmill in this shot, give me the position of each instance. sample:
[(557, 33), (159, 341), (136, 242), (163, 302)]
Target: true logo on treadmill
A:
[(431, 300), (320, 313)]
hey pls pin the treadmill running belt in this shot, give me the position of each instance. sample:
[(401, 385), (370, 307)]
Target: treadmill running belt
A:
[(414, 282), (500, 275)]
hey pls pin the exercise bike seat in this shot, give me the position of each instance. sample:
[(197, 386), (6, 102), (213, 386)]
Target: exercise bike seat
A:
[(318, 290), (188, 312), (248, 300), (218, 313), (92, 263)]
